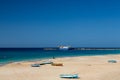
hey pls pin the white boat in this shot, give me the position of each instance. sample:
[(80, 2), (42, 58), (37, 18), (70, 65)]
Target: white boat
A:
[(64, 47)]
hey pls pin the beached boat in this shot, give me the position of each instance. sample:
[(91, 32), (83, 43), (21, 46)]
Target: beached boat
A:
[(57, 64), (112, 61), (69, 76), (35, 65), (47, 62)]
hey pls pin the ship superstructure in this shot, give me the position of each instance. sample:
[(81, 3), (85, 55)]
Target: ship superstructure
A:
[(64, 47)]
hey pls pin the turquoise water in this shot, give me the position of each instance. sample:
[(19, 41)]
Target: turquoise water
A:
[(14, 55)]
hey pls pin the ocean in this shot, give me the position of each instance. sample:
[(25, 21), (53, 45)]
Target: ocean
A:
[(8, 55)]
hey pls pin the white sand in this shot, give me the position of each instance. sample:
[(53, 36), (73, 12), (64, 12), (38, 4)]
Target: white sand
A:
[(87, 67)]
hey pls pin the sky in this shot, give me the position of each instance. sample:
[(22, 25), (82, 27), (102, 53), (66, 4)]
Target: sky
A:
[(50, 23)]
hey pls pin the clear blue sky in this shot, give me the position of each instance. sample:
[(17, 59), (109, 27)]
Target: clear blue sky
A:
[(44, 23)]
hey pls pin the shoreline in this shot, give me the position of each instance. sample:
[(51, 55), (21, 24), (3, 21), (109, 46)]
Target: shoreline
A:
[(42, 59)]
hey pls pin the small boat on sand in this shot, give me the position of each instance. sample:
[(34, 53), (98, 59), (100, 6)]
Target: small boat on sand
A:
[(57, 64), (46, 62), (69, 76), (112, 61), (35, 65)]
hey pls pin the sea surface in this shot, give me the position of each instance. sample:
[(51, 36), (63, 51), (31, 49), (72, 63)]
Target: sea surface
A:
[(15, 55)]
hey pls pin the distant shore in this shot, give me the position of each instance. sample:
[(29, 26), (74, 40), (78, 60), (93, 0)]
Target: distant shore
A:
[(57, 48)]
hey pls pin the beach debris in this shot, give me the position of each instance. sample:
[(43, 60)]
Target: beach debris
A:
[(112, 61), (69, 76), (57, 64), (35, 65)]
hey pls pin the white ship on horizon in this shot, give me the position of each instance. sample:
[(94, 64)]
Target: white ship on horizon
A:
[(64, 47)]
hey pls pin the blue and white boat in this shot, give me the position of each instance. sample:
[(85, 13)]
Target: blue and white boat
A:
[(35, 65), (69, 76), (64, 47)]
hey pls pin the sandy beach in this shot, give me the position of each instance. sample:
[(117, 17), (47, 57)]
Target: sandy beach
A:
[(87, 67)]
